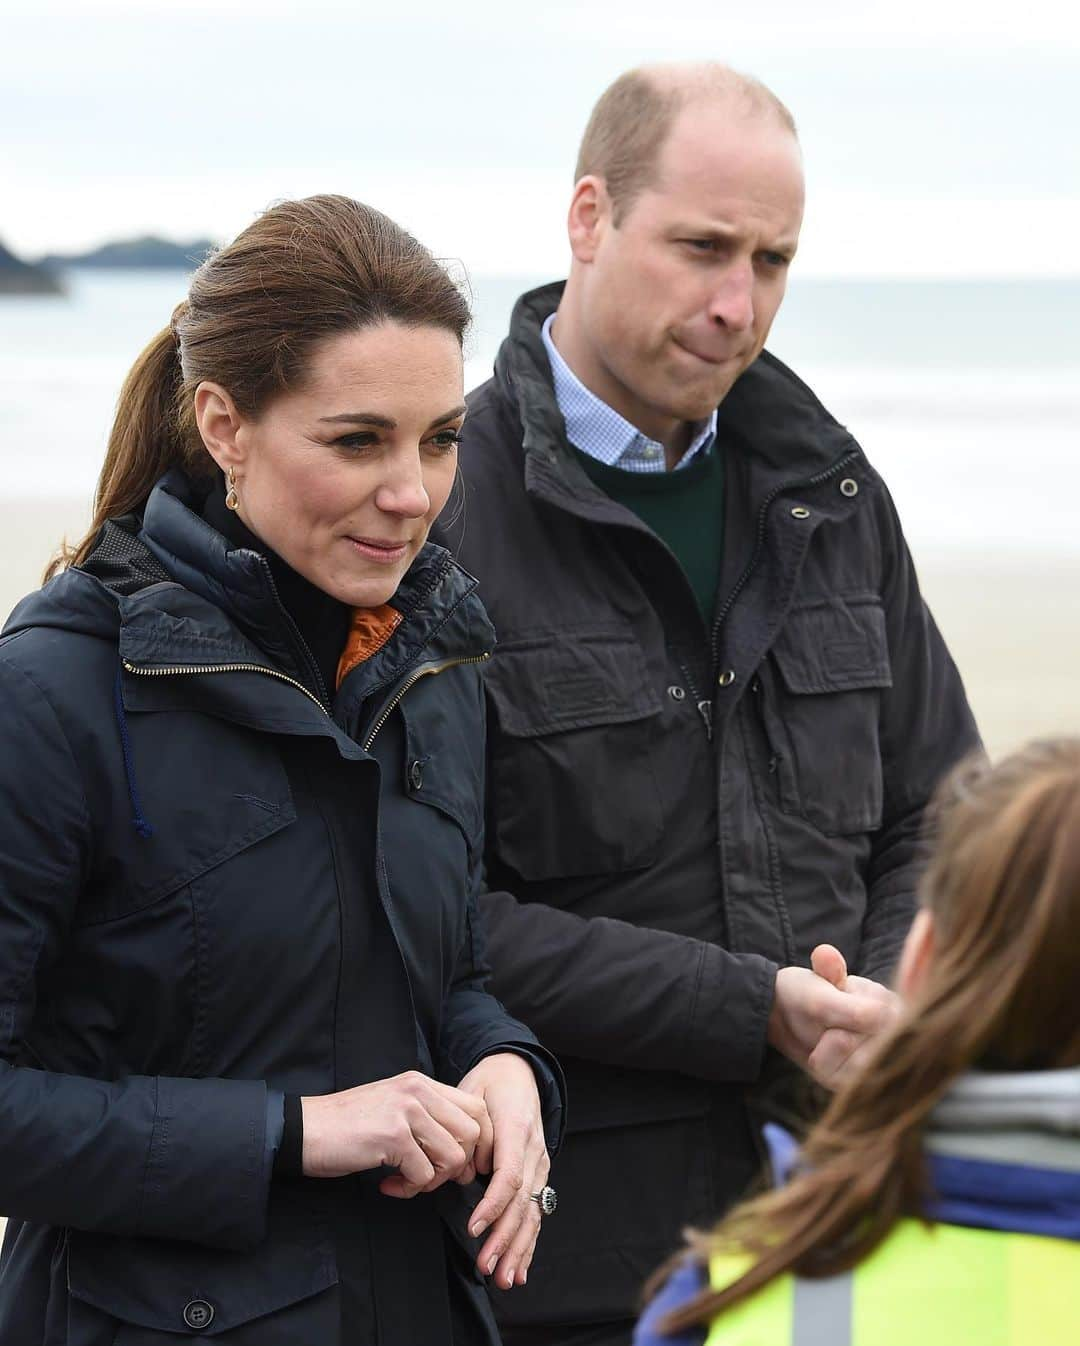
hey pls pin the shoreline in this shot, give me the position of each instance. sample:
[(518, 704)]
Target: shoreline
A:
[(1011, 621)]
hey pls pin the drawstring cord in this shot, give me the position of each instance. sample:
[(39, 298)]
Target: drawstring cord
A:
[(140, 823)]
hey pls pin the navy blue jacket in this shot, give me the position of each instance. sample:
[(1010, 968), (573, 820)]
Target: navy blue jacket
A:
[(212, 884)]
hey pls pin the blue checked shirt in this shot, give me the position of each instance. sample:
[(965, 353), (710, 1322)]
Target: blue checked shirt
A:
[(596, 429)]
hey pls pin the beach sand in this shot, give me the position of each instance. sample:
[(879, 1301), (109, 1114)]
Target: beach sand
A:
[(1011, 622)]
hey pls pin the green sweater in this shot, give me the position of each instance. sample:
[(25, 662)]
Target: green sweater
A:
[(683, 508)]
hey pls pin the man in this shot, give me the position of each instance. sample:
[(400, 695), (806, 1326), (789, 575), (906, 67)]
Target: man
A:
[(718, 706)]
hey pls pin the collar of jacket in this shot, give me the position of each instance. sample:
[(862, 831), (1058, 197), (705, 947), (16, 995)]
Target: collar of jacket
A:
[(224, 609), (1005, 1153), (770, 416)]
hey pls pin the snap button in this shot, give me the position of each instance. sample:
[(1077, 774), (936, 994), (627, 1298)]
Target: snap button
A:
[(198, 1314), (800, 512), (727, 677), (416, 774), (676, 693), (849, 487)]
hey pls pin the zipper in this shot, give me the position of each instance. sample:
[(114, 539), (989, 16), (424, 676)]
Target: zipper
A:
[(177, 670), (424, 671), (759, 543)]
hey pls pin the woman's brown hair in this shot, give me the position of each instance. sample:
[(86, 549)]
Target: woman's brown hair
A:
[(303, 271), (1000, 994)]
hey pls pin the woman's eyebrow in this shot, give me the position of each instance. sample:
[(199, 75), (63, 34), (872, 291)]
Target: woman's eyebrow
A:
[(450, 416), (362, 418), (386, 422)]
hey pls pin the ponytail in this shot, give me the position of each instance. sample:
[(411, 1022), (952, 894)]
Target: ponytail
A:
[(149, 435)]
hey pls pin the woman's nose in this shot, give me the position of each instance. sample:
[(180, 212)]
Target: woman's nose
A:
[(402, 490)]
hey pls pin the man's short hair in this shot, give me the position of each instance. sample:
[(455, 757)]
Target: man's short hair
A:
[(633, 117)]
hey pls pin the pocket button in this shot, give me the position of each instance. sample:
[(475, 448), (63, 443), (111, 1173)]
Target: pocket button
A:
[(198, 1314)]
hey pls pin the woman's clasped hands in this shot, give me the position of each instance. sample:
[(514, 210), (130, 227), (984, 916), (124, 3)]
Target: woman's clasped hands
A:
[(432, 1133)]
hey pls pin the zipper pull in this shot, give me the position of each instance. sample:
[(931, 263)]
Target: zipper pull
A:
[(705, 711)]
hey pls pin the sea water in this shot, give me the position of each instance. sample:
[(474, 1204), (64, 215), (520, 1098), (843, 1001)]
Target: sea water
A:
[(965, 395)]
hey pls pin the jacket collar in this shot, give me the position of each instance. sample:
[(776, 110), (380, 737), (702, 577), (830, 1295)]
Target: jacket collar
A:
[(219, 611), (770, 417), (1003, 1149), (1005, 1153)]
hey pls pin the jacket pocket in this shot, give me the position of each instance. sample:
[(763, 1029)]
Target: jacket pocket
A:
[(571, 786), (821, 715), (143, 1287)]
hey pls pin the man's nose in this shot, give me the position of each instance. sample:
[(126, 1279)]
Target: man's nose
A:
[(731, 304), (402, 490)]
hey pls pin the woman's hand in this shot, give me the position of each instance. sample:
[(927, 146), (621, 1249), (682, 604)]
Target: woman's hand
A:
[(430, 1132), (506, 1083)]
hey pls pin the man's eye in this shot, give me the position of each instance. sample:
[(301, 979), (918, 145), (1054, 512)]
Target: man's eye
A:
[(775, 259), (702, 244)]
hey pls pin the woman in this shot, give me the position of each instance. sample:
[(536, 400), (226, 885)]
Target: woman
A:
[(947, 1174), (240, 788)]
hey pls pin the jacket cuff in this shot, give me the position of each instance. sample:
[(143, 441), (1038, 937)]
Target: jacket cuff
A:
[(550, 1083), (207, 1174), (727, 1034)]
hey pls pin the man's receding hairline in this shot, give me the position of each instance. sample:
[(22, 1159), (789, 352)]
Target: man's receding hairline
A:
[(635, 115)]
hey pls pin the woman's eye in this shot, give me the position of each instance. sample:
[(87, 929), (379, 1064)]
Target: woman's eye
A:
[(446, 440), (357, 442)]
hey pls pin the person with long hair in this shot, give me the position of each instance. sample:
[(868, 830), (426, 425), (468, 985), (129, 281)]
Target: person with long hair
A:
[(249, 1067), (938, 1199)]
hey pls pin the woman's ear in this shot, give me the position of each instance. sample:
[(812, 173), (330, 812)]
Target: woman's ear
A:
[(917, 955), (219, 421)]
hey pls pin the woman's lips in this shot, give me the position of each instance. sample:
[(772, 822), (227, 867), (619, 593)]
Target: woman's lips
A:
[(383, 553)]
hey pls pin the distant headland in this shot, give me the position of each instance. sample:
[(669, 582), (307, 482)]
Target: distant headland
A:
[(148, 251), (45, 276), (18, 277)]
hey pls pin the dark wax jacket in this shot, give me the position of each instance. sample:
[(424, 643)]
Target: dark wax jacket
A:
[(676, 809), (212, 884)]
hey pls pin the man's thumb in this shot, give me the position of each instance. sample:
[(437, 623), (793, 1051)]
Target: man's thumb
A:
[(828, 962)]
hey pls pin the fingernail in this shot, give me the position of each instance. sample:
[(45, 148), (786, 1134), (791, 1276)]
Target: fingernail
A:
[(478, 1228), (510, 1279), (492, 1265), (525, 1275)]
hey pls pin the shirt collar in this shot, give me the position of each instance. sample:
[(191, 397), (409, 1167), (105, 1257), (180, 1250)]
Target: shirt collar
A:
[(599, 431)]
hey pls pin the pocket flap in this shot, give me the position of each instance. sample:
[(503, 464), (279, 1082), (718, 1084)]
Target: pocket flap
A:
[(152, 1283), (834, 647), (548, 682)]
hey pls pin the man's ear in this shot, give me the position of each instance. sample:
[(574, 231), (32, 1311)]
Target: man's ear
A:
[(588, 217), (917, 955), (219, 423)]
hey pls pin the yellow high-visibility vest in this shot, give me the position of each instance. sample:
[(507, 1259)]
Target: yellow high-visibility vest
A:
[(941, 1285)]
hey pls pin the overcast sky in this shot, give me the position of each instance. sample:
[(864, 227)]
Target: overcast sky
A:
[(940, 138)]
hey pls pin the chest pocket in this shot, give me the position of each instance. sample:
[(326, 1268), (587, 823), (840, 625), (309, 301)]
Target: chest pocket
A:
[(820, 693), (571, 784)]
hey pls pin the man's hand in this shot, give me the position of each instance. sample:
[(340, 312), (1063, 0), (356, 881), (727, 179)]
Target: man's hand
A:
[(506, 1084), (840, 1053), (824, 1020)]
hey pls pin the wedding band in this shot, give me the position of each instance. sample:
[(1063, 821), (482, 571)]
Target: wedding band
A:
[(546, 1199)]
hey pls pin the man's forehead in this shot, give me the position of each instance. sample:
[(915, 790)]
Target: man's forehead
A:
[(709, 159)]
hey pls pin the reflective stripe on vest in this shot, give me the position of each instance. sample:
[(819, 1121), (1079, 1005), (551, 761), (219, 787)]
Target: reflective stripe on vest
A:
[(938, 1286)]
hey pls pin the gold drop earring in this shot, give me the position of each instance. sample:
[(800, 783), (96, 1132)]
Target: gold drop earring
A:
[(232, 500)]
